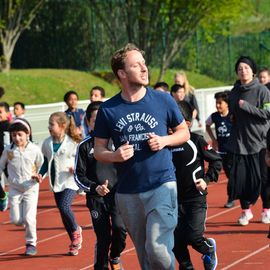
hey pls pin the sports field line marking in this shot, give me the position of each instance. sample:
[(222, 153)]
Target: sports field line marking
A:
[(41, 241), (223, 212), (246, 257), (124, 252), (45, 211)]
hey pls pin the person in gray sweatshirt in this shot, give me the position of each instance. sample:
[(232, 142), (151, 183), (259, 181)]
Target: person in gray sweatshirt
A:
[(249, 107)]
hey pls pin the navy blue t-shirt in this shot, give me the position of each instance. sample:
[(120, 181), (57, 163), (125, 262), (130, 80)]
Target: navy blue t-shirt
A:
[(77, 115), (131, 121), (223, 127)]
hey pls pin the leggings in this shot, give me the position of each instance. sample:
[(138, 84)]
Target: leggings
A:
[(63, 201)]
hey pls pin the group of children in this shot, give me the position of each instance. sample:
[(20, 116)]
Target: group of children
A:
[(67, 157)]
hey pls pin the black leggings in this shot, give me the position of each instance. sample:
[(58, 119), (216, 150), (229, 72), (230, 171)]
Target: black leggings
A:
[(63, 201)]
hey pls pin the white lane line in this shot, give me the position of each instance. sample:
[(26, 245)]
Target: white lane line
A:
[(41, 241), (223, 212), (124, 252), (244, 258), (54, 208)]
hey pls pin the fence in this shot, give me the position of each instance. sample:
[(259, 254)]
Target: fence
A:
[(38, 115)]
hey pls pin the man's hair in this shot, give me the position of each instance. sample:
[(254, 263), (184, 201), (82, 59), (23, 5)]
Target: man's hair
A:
[(176, 87), (93, 106), (224, 95), (68, 94), (101, 89), (264, 69), (118, 58), (162, 85), (20, 104), (5, 105)]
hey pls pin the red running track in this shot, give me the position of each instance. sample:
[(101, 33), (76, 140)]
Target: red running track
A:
[(241, 248)]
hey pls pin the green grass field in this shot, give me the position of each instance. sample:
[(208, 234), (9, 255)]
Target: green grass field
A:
[(40, 86)]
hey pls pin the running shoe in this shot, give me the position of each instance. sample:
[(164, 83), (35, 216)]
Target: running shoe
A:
[(229, 204), (73, 250), (77, 238), (30, 250), (116, 264), (210, 260), (245, 217), (4, 203), (266, 216)]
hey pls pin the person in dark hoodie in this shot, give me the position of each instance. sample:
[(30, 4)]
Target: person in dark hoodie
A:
[(192, 180), (99, 182), (249, 107)]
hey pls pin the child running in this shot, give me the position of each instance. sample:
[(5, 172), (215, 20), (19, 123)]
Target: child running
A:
[(59, 152), (192, 181), (222, 121), (23, 160), (99, 181)]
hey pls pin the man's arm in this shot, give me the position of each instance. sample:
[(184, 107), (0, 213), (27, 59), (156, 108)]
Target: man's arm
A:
[(103, 154), (179, 136)]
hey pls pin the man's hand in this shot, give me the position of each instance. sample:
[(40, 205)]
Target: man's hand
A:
[(155, 142), (201, 185), (103, 190), (124, 152), (37, 177)]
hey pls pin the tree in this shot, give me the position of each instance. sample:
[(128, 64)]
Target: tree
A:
[(15, 17), (162, 27)]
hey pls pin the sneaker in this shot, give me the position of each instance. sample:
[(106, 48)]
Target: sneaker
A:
[(81, 192), (245, 217), (77, 238), (266, 216), (30, 250), (4, 203), (73, 250), (229, 204), (116, 264), (210, 260), (186, 266)]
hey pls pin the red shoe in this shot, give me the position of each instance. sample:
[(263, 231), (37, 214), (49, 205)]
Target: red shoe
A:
[(77, 238)]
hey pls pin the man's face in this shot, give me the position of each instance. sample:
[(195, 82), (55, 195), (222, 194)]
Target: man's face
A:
[(135, 70), (179, 95), (264, 77), (3, 114), (95, 95), (72, 102), (18, 110), (221, 105), (245, 73)]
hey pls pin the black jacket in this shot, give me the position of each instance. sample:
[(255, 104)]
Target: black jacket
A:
[(188, 160), (89, 173), (4, 135)]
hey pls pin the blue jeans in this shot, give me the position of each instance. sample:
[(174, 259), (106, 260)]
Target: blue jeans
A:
[(150, 218)]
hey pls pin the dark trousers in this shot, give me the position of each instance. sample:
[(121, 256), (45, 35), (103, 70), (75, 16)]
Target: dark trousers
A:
[(265, 175), (245, 178), (190, 231), (63, 201), (109, 229), (226, 168)]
